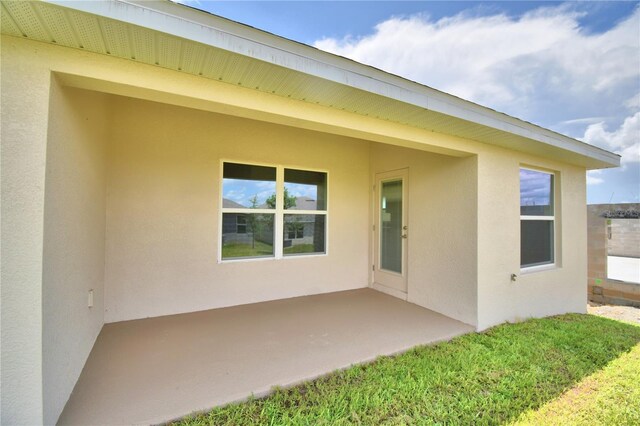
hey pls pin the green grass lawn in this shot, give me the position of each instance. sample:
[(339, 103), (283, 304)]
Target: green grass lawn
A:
[(570, 369), (246, 250), (299, 248)]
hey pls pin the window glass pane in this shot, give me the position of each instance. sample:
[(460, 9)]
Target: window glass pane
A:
[(305, 190), (536, 193), (391, 226), (247, 235), (247, 186), (536, 242), (304, 234)]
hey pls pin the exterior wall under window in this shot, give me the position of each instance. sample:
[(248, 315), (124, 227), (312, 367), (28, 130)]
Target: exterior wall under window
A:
[(162, 211)]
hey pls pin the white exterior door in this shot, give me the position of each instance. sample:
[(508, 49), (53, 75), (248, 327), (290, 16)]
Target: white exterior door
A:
[(391, 231)]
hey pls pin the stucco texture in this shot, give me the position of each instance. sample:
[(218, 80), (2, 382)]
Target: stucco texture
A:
[(129, 178), (162, 211), (74, 238)]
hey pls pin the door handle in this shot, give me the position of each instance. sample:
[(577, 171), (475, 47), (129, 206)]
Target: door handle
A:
[(404, 235)]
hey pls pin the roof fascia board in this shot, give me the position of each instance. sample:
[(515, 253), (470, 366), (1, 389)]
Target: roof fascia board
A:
[(210, 30)]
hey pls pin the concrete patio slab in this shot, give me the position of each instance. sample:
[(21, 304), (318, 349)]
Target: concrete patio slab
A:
[(158, 369)]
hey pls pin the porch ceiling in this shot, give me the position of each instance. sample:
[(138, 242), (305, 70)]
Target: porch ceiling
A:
[(154, 370), (187, 40)]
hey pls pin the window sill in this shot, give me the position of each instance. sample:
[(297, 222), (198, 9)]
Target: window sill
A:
[(538, 268), (261, 259)]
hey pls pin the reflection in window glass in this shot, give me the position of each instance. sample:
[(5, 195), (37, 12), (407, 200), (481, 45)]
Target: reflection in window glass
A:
[(536, 193), (247, 235), (304, 234), (391, 226), (536, 242), (248, 186), (305, 190)]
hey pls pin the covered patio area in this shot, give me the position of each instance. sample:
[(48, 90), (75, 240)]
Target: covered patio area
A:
[(157, 369)]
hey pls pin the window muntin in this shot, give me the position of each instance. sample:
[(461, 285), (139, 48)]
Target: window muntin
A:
[(257, 203), (537, 218)]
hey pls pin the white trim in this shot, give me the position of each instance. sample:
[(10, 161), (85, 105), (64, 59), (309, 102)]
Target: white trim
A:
[(538, 268), (401, 174), (555, 193), (248, 210), (537, 217), (278, 227)]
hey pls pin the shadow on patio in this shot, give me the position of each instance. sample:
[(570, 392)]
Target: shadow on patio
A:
[(157, 369)]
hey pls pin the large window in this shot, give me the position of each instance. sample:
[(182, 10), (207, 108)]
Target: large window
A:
[(537, 218), (260, 203)]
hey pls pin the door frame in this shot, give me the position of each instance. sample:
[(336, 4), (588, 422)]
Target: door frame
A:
[(395, 284)]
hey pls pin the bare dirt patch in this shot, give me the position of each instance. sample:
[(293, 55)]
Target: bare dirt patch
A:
[(621, 313)]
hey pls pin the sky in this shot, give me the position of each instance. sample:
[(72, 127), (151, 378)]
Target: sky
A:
[(572, 67), (243, 191)]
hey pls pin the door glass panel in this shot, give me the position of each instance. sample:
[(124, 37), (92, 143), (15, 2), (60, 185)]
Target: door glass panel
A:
[(391, 226)]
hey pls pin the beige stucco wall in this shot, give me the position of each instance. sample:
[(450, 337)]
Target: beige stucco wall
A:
[(162, 211), (161, 207), (74, 239), (556, 290), (442, 253), (24, 114)]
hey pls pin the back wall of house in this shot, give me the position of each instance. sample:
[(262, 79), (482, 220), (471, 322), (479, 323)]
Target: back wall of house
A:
[(163, 196)]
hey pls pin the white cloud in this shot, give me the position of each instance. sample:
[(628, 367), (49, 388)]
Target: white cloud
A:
[(592, 177), (624, 141), (520, 65), (541, 66), (633, 103)]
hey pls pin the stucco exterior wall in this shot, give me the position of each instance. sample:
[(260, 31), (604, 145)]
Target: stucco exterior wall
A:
[(24, 106), (556, 290), (74, 238), (162, 194), (442, 252), (162, 211)]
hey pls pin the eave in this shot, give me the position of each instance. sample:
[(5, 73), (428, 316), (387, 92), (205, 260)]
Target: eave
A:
[(187, 40)]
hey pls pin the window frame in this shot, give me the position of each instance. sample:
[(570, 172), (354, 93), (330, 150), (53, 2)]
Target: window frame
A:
[(553, 218), (279, 212)]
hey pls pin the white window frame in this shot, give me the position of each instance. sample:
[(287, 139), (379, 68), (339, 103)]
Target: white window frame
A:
[(555, 193), (278, 212)]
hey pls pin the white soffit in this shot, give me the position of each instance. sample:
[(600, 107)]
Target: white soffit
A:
[(180, 38)]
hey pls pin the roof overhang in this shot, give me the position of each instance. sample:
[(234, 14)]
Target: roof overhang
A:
[(188, 40)]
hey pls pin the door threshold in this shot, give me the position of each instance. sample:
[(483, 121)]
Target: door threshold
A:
[(390, 291)]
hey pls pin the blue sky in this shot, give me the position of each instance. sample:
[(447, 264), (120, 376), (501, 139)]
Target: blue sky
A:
[(242, 191), (573, 67)]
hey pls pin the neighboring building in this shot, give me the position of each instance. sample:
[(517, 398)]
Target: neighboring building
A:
[(120, 121), (614, 253)]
